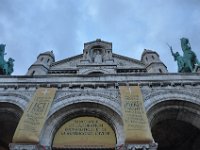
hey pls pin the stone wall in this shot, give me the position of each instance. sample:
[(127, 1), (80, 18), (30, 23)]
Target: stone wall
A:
[(166, 96)]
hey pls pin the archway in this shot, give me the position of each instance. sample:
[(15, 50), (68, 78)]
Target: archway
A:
[(176, 135), (96, 111), (175, 125), (10, 115)]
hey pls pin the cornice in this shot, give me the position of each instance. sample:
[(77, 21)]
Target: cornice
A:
[(102, 81)]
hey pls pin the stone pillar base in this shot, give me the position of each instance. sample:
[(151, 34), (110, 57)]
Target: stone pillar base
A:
[(27, 146), (152, 146)]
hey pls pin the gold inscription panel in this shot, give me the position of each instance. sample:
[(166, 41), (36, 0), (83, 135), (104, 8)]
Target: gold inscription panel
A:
[(136, 125), (85, 132), (33, 119)]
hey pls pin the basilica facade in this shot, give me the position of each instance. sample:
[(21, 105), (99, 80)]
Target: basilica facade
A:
[(86, 111)]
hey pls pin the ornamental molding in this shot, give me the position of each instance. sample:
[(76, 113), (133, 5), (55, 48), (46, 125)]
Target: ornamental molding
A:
[(14, 98), (86, 97), (158, 96), (103, 70), (57, 119)]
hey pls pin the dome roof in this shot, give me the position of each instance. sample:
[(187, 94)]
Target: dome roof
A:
[(147, 51), (50, 53)]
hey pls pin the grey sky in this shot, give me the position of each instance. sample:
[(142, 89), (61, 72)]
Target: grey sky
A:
[(30, 27)]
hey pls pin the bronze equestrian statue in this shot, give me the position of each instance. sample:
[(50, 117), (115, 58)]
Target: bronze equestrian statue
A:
[(6, 67), (188, 62)]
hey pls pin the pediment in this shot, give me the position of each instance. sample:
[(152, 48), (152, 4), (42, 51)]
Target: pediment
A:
[(76, 61), (70, 62), (127, 62), (97, 55), (98, 58)]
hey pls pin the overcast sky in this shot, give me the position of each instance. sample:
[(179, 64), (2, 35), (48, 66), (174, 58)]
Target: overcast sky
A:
[(30, 27)]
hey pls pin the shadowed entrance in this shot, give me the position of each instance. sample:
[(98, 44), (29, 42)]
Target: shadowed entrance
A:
[(175, 125), (176, 135), (9, 118)]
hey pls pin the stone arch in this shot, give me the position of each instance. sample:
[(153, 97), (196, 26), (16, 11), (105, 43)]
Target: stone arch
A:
[(64, 114), (14, 98), (87, 96), (89, 71), (102, 44), (10, 115), (170, 120), (161, 96), (176, 110), (11, 109)]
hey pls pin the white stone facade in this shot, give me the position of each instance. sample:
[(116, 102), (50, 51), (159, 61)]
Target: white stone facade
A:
[(90, 87)]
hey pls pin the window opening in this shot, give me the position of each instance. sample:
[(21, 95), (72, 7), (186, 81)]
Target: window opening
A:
[(33, 72)]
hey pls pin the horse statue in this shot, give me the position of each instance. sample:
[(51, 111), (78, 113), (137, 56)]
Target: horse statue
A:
[(188, 62), (6, 67)]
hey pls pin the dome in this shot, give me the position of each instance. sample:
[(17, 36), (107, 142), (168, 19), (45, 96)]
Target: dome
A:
[(147, 51), (50, 53)]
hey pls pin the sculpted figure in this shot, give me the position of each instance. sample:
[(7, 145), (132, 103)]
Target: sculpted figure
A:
[(2, 53), (188, 62), (10, 66), (98, 58), (179, 59), (6, 67), (190, 57)]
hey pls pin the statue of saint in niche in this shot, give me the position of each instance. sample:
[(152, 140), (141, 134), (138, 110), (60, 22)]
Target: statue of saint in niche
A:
[(98, 57)]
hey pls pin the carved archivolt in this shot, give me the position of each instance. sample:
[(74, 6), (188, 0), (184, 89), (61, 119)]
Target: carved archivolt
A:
[(176, 105), (92, 97), (14, 98), (73, 110), (103, 71), (80, 104), (165, 95)]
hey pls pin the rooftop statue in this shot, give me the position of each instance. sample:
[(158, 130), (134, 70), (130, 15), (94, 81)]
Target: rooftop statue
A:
[(6, 67), (188, 62)]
